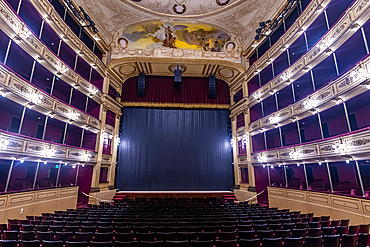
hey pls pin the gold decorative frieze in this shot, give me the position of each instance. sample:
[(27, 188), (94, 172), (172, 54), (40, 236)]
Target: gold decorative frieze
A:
[(14, 146), (349, 145)]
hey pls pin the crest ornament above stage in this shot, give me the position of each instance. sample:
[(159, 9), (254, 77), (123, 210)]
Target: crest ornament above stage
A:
[(192, 36)]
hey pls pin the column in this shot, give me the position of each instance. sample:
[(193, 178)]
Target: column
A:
[(112, 169), (251, 178), (237, 173), (99, 148)]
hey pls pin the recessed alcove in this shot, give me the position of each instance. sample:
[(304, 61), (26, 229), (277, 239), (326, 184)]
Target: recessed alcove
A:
[(333, 121), (258, 142), (11, 114), (61, 90), (33, 20), (336, 9), (310, 128), (289, 134), (269, 105), (67, 55), (42, 78), (316, 30), (55, 131), (78, 100), (74, 135), (19, 61), (285, 97), (50, 38), (324, 72), (33, 124), (303, 86), (351, 52), (358, 109), (4, 41), (273, 138)]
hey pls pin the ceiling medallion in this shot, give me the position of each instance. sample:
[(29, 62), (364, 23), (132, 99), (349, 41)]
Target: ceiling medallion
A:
[(230, 46), (179, 7), (123, 42), (136, 1), (222, 2)]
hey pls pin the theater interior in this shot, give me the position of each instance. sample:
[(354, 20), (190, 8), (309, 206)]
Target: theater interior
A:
[(221, 123)]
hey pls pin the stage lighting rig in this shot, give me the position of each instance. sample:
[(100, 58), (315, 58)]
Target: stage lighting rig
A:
[(81, 15), (265, 29)]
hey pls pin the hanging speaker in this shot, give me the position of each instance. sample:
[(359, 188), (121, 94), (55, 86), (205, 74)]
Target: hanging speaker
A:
[(212, 87), (177, 79), (141, 86)]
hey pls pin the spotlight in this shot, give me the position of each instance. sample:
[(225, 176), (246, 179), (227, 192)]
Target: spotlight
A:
[(45, 162), (320, 163), (22, 161), (347, 160)]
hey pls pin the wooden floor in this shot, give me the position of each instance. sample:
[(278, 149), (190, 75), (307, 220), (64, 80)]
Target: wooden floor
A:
[(174, 194)]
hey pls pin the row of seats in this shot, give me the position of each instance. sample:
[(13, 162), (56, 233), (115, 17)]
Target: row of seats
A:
[(207, 222)]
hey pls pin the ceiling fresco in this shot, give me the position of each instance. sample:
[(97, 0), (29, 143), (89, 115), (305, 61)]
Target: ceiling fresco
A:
[(150, 35)]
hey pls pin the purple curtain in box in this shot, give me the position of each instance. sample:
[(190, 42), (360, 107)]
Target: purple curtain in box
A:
[(103, 175), (111, 118), (161, 90), (238, 96), (240, 121), (245, 177), (242, 148), (84, 183)]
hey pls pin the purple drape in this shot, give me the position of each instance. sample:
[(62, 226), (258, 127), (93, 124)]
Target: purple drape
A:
[(161, 90), (240, 121)]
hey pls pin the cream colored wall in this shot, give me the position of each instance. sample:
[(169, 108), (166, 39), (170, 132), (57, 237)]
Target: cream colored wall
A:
[(19, 205), (321, 204)]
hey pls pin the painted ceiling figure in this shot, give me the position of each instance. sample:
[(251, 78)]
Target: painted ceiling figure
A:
[(169, 41)]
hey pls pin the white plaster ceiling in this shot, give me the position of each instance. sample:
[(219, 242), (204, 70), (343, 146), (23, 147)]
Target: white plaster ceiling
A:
[(238, 18)]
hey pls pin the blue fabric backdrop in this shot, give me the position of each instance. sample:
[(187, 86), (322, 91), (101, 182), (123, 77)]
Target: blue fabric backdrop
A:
[(174, 149)]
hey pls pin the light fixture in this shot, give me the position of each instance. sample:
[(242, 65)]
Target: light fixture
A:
[(320, 163), (340, 148), (272, 167), (274, 119), (298, 164), (293, 155), (51, 115), (21, 160), (314, 111), (367, 86), (261, 159), (263, 166), (73, 166), (245, 140), (309, 103), (339, 101), (293, 119), (45, 162), (356, 27), (347, 160), (3, 92)]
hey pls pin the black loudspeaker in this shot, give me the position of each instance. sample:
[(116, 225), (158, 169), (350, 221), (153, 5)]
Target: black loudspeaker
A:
[(141, 86), (177, 80), (212, 87)]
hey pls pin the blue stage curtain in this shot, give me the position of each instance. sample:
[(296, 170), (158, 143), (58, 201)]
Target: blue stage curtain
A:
[(174, 149)]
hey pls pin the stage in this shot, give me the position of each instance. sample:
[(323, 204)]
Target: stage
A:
[(174, 194)]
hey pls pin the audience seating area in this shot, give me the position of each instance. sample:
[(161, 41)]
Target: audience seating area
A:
[(181, 222)]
